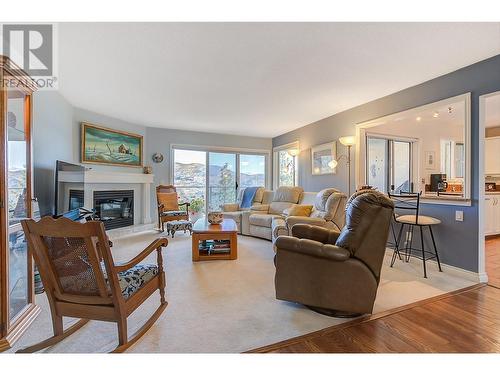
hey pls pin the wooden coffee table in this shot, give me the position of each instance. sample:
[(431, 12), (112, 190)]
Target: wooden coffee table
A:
[(215, 241)]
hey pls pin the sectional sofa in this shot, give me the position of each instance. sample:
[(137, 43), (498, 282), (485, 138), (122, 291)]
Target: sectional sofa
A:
[(273, 213)]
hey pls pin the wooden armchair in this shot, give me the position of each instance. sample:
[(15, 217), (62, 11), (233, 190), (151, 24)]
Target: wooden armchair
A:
[(168, 205), (82, 280)]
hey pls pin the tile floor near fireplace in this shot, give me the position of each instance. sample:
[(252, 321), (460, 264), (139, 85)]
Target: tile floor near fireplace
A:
[(115, 208)]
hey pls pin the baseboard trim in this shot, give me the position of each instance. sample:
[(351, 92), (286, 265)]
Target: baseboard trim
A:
[(460, 272), (114, 234), (454, 270)]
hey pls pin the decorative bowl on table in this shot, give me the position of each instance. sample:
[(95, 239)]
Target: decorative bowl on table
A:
[(215, 217)]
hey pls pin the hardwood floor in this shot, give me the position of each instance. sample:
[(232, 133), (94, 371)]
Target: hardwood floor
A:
[(462, 321), (493, 261)]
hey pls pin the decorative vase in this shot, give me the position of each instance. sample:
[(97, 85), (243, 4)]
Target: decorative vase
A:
[(215, 217), (148, 169)]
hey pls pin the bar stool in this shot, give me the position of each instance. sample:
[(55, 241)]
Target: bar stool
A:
[(411, 202), (394, 244)]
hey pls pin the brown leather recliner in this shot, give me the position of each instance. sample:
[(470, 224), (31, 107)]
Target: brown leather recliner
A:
[(336, 273)]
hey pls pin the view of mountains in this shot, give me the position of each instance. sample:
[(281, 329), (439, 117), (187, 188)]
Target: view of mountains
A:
[(193, 174), (191, 179)]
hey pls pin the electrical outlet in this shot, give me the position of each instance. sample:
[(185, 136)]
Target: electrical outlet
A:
[(459, 215)]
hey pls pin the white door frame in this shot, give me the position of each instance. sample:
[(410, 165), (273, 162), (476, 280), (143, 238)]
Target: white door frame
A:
[(483, 277)]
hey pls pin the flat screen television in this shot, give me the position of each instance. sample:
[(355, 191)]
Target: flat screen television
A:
[(69, 188)]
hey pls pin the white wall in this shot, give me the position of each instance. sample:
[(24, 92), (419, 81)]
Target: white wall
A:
[(159, 140), (56, 136), (53, 139)]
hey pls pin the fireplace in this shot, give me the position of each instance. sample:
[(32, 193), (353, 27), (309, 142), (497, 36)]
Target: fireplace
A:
[(115, 208)]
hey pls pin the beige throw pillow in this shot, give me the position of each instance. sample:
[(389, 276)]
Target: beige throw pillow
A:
[(299, 210)]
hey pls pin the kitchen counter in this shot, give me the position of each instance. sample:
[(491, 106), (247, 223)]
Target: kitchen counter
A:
[(444, 195), (456, 199)]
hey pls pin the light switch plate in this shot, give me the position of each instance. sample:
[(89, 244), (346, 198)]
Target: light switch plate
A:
[(459, 215)]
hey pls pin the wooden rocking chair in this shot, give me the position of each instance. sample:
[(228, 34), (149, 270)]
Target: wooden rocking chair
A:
[(82, 281)]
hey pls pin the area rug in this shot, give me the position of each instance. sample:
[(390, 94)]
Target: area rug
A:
[(227, 306)]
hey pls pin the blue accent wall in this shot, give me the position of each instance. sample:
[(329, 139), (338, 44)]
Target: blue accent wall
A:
[(457, 241)]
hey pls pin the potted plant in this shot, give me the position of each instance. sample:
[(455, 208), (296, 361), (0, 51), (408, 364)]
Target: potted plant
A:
[(196, 208)]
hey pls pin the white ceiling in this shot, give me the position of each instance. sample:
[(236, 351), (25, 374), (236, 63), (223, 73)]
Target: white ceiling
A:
[(493, 111), (260, 79), (433, 115)]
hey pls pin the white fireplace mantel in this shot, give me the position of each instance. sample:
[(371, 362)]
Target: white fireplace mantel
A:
[(100, 177), (92, 178)]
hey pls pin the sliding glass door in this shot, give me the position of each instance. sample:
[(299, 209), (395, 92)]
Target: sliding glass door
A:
[(388, 163), (252, 170), (378, 163), (221, 179), (190, 178), (210, 179), (401, 166)]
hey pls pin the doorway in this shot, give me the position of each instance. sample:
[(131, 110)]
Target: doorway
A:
[(489, 197)]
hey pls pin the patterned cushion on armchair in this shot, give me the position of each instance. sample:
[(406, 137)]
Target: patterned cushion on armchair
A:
[(134, 278), (130, 280), (173, 213)]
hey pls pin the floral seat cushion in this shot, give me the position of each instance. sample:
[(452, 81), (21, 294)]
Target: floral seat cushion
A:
[(173, 213), (175, 225), (130, 280), (134, 278)]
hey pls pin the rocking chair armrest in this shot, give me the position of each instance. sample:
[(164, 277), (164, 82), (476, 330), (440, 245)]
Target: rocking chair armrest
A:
[(187, 204), (155, 245)]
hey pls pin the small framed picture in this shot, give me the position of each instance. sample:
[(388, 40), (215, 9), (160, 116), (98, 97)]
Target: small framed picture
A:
[(430, 160), (321, 157)]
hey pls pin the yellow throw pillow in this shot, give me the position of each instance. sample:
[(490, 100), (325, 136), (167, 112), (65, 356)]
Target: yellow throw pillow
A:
[(299, 210)]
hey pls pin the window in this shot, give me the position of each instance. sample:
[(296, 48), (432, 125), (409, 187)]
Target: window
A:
[(190, 177), (286, 165), (452, 158), (459, 160), (286, 172), (221, 179), (414, 149), (389, 164), (378, 163), (209, 179), (252, 170), (401, 166)]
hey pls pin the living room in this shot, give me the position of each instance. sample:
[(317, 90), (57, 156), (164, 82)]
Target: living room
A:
[(225, 187)]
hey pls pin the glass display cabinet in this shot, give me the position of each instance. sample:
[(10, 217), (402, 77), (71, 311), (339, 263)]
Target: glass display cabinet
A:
[(17, 308)]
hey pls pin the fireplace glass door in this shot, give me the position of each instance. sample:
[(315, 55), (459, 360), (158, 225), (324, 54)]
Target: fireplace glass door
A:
[(115, 208)]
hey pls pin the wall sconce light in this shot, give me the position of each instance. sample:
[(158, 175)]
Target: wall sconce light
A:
[(293, 152)]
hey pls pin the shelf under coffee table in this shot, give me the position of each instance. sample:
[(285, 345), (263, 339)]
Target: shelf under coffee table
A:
[(215, 241)]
